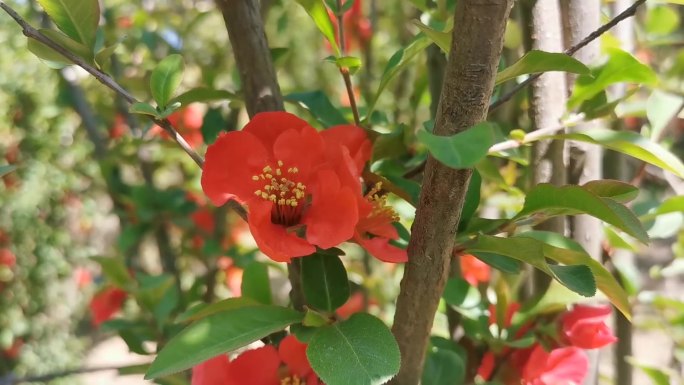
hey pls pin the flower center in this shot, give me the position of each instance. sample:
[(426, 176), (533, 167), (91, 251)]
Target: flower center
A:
[(291, 380), (382, 212), (283, 189)]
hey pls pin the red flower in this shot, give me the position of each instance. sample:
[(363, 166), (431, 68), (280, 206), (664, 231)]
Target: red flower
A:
[(188, 122), (262, 366), (300, 186), (82, 276), (486, 367), (584, 326), (105, 304), (13, 351), (564, 366), (473, 270), (508, 317), (7, 258), (375, 230), (119, 127)]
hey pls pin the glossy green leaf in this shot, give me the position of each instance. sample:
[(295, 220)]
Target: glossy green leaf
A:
[(141, 108), (324, 281), (396, 64), (499, 262), (54, 59), (203, 95), (256, 284), (571, 200), (463, 150), (102, 56), (204, 310), (577, 278), (443, 367), (317, 11), (540, 61), (220, 333), (358, 351), (459, 293), (621, 67), (535, 252), (166, 78), (320, 107), (114, 270), (613, 189), (661, 108), (629, 143), (76, 18), (6, 169), (442, 39)]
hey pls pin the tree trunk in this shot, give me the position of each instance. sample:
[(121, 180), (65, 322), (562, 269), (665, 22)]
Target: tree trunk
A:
[(580, 18), (548, 97), (476, 47)]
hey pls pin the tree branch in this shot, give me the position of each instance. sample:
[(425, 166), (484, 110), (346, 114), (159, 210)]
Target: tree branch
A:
[(476, 47), (102, 77), (627, 13)]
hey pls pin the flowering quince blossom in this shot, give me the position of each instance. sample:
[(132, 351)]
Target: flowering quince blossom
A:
[(106, 303), (266, 365), (473, 270), (585, 327), (300, 186), (7, 258), (564, 366)]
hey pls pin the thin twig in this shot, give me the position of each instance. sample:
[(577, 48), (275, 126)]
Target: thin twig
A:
[(629, 12), (345, 71), (535, 135), (102, 77), (65, 373)]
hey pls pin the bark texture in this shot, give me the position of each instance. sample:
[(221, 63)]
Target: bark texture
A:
[(476, 47), (253, 58), (548, 97)]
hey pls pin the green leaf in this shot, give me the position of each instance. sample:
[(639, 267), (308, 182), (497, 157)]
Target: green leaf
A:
[(571, 200), (661, 108), (203, 95), (352, 63), (114, 269), (443, 367), (255, 283), (103, 55), (613, 189), (170, 109), (320, 107), (212, 125), (442, 39), (204, 310), (325, 282), (472, 200), (620, 67), (396, 64), (141, 108), (54, 59), (166, 78), (661, 20), (540, 61), (499, 262), (577, 278), (76, 18), (317, 11), (535, 252), (631, 144), (358, 351), (220, 333), (658, 376), (463, 150), (6, 169), (671, 205), (459, 293)]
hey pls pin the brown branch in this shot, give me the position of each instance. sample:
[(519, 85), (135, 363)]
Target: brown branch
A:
[(350, 93), (627, 13), (471, 69), (102, 77)]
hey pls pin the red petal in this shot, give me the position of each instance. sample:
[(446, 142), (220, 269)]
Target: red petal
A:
[(106, 303), (256, 367), (229, 166), (215, 371), (293, 354), (486, 366), (333, 213), (352, 137), (473, 270), (560, 366), (301, 148), (267, 126), (381, 249), (274, 240)]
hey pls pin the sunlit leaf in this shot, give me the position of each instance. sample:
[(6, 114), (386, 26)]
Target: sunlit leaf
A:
[(540, 61), (462, 150), (661, 108), (143, 109), (442, 39), (166, 78), (203, 95), (76, 18), (54, 59), (317, 11)]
